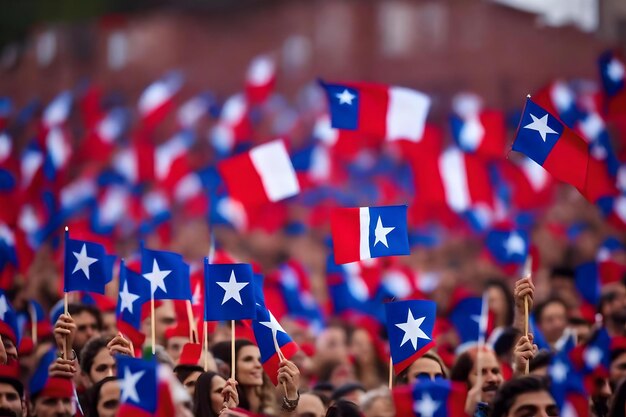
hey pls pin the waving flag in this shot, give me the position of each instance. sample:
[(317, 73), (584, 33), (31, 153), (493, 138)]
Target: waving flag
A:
[(482, 133), (8, 163), (87, 267), (466, 317), (394, 113), (58, 152), (138, 382), (550, 143), (369, 232), (508, 248), (567, 387), (260, 79), (229, 292), (167, 274), (157, 100), (410, 327), (8, 320), (264, 174), (439, 398), (134, 292), (593, 359), (613, 75)]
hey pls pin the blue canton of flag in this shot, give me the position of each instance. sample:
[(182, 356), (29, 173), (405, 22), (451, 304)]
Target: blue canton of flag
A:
[(612, 72), (167, 274), (138, 382), (465, 317), (229, 292), (87, 266), (567, 386), (383, 222), (439, 398), (508, 246), (343, 102), (410, 326), (134, 291)]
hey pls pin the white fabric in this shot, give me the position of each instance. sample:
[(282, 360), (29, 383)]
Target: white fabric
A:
[(406, 114), (273, 165), (454, 177), (364, 235)]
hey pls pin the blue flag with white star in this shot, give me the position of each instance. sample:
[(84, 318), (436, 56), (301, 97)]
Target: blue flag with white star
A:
[(87, 266), (8, 320), (138, 382), (410, 326), (508, 247), (167, 274), (229, 292), (134, 292)]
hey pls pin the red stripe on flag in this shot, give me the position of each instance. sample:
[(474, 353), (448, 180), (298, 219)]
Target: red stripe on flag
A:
[(346, 232), (242, 180)]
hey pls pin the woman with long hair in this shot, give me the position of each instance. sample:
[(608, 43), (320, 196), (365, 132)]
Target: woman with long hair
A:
[(213, 394)]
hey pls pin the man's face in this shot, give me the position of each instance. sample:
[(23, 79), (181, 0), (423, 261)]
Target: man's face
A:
[(103, 366), (9, 348), (491, 376), (86, 328), (53, 407), (534, 404), (617, 371), (175, 347), (553, 321), (616, 308), (10, 402)]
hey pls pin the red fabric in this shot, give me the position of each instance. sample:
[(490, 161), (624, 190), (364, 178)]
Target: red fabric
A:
[(346, 232), (58, 388)]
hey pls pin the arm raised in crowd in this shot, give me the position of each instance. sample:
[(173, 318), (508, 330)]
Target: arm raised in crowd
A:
[(523, 288)]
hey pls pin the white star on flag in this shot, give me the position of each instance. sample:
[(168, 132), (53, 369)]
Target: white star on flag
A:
[(83, 261), (232, 288), (157, 277), (412, 330), (540, 125), (128, 385), (381, 232), (345, 97), (426, 407), (593, 356), (4, 307), (274, 326), (615, 70), (196, 296), (127, 299), (514, 244), (559, 371)]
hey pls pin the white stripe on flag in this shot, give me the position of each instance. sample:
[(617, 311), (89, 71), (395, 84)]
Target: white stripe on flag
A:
[(406, 114), (272, 162), (454, 177), (364, 238)]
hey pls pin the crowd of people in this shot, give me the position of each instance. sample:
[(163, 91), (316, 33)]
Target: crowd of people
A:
[(63, 362)]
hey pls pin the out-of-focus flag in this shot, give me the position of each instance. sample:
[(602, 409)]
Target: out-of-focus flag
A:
[(229, 292), (470, 320), (410, 326), (8, 320), (369, 232), (234, 125), (8, 163), (264, 174), (260, 79), (87, 266), (393, 113), (567, 387), (134, 292), (613, 76), (58, 152), (167, 274), (439, 398), (157, 100), (508, 248), (138, 382)]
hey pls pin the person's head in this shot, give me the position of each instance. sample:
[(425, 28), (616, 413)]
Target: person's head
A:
[(331, 345), (501, 302), (464, 370), (343, 408), (188, 376), (104, 397), (11, 393), (362, 346), (88, 323), (249, 371), (539, 364), (617, 369), (96, 362), (428, 366), (310, 405), (551, 318), (207, 399), (10, 348), (174, 346), (351, 392), (618, 406), (337, 373), (613, 305), (562, 282), (109, 323), (54, 400), (581, 328), (377, 403), (524, 396)]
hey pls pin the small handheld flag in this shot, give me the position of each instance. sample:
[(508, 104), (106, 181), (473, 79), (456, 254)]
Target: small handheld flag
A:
[(410, 326), (167, 274), (439, 398), (87, 267), (369, 232), (229, 292), (138, 382)]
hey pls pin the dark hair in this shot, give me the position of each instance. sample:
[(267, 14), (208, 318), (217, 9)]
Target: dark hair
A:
[(343, 408), (508, 296), (562, 271), (182, 372), (346, 389), (619, 401), (463, 365), (90, 350), (75, 308), (538, 311), (93, 394), (510, 390), (202, 395), (541, 359)]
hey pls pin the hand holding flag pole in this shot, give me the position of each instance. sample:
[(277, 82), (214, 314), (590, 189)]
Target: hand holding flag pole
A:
[(527, 274)]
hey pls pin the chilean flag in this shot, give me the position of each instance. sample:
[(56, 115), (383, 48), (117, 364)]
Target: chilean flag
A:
[(260, 79), (482, 134), (262, 175), (613, 76), (8, 163), (550, 143), (58, 152), (157, 100), (393, 113), (439, 398), (369, 232), (508, 248), (234, 125), (410, 326), (567, 387), (530, 186)]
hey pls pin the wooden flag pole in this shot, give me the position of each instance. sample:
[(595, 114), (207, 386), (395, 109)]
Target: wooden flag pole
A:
[(527, 274), (152, 323), (206, 346), (33, 322), (232, 349), (390, 372), (66, 353)]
